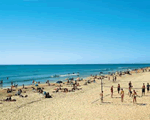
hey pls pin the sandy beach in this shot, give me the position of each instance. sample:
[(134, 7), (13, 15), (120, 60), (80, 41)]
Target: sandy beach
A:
[(82, 104)]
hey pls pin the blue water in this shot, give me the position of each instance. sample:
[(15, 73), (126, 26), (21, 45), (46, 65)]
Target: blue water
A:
[(25, 74)]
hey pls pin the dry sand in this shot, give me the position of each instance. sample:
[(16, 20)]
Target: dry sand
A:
[(82, 104)]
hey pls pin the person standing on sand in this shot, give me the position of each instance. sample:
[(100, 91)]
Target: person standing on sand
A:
[(143, 89), (118, 88), (134, 96), (115, 78), (130, 92), (147, 87), (109, 78), (111, 91), (130, 84), (101, 95), (122, 95), (33, 82)]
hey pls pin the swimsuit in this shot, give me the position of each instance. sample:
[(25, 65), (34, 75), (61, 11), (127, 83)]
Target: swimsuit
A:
[(148, 87), (134, 95), (143, 89)]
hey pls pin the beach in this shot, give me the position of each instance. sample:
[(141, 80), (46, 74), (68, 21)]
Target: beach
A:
[(81, 104)]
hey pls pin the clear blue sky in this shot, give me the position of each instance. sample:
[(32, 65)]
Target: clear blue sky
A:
[(74, 31)]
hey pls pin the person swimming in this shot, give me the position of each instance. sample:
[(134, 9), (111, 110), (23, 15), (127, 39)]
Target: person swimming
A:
[(1, 82)]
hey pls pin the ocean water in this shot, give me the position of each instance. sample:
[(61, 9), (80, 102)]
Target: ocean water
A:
[(25, 74)]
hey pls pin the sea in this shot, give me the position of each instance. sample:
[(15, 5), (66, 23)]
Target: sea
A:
[(25, 74)]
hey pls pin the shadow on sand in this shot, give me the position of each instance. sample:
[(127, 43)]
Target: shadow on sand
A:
[(116, 97), (141, 104), (107, 102)]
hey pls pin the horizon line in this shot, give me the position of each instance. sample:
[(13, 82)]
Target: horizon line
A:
[(78, 64)]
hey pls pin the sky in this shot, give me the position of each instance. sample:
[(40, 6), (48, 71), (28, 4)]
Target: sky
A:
[(74, 31)]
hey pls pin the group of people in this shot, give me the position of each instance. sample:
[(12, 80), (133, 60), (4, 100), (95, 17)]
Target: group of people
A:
[(130, 93), (40, 90)]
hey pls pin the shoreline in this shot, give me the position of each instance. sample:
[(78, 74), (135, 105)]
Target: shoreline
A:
[(85, 72), (54, 82)]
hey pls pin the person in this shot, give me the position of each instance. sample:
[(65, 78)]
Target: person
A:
[(11, 83), (134, 96), (66, 90), (19, 92), (118, 88), (23, 86), (94, 81), (147, 87), (33, 82), (7, 78), (78, 84), (68, 81), (9, 99), (111, 91), (143, 89), (9, 90), (115, 78), (75, 82), (1, 82), (122, 95), (101, 95), (47, 81), (48, 95), (130, 84), (108, 78), (74, 86), (130, 92)]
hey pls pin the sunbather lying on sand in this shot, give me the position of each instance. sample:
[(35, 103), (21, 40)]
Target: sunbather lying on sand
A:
[(65, 90), (57, 89), (9, 99), (23, 96)]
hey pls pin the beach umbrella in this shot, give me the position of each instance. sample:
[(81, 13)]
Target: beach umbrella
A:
[(59, 82)]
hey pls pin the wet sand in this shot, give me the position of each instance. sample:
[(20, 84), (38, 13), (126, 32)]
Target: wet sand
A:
[(82, 104)]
